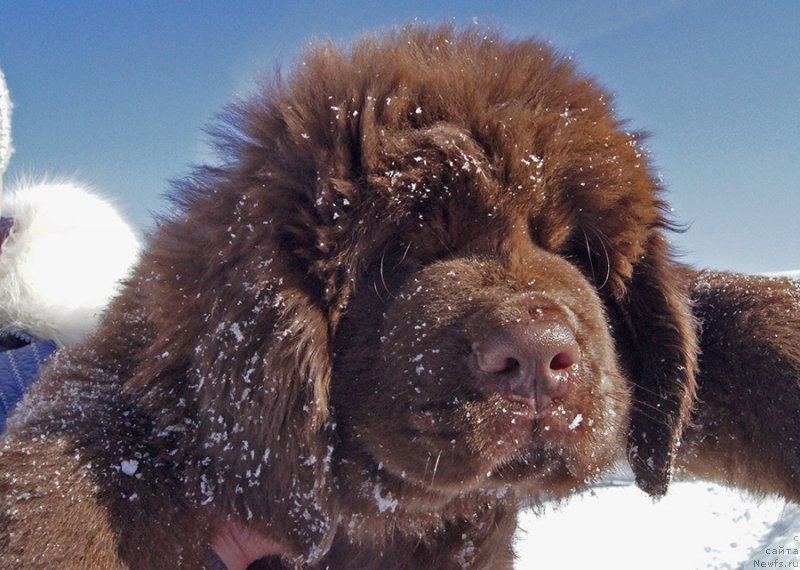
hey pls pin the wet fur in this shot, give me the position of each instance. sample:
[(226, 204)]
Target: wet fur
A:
[(290, 352)]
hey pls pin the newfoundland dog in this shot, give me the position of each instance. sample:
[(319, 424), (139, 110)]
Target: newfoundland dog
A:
[(426, 280)]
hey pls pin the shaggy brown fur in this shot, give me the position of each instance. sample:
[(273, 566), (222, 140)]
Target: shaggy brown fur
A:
[(311, 345), (745, 429)]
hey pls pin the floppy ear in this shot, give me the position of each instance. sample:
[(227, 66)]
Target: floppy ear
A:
[(656, 336), (236, 367)]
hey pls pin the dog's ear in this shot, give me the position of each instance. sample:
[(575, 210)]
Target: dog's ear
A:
[(236, 364), (656, 338)]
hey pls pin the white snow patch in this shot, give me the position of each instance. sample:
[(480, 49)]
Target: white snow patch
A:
[(697, 525), (237, 332), (129, 467), (387, 503), (789, 274)]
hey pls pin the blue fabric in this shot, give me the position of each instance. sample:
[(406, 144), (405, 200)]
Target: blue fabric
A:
[(21, 357), (216, 562)]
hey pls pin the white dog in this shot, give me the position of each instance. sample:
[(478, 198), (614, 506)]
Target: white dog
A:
[(63, 251)]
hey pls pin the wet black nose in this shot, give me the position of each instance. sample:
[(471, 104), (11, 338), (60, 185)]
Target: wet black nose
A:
[(530, 362)]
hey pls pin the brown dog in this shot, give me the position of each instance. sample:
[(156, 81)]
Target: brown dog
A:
[(428, 279)]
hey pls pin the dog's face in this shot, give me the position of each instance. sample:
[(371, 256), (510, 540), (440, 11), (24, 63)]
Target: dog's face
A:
[(474, 351), (435, 263), (491, 367)]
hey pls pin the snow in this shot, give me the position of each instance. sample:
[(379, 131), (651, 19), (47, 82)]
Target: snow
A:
[(129, 467), (387, 503), (790, 274), (237, 332), (698, 525), (576, 422)]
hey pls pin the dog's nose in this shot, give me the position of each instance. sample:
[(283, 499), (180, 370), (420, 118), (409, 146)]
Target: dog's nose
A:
[(528, 362)]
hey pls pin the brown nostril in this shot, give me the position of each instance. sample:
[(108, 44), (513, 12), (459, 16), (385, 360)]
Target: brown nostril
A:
[(495, 357), (510, 365), (530, 362), (562, 361)]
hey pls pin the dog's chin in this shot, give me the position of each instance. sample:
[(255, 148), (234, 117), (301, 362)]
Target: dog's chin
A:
[(516, 451), (530, 472), (534, 472)]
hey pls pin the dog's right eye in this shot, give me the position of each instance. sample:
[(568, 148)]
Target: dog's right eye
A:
[(587, 250), (395, 265)]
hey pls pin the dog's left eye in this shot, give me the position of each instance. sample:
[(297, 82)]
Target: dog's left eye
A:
[(587, 250), (396, 264)]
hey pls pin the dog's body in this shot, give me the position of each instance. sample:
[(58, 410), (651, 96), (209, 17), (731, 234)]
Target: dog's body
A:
[(429, 280), (744, 430)]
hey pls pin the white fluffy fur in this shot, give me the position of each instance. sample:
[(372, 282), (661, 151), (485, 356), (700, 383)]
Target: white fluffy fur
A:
[(6, 148), (63, 260)]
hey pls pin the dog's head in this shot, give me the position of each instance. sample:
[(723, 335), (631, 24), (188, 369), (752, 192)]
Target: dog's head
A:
[(437, 257)]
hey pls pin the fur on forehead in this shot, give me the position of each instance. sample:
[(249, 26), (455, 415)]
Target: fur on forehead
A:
[(387, 129)]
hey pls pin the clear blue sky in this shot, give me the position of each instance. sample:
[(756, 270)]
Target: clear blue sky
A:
[(118, 93)]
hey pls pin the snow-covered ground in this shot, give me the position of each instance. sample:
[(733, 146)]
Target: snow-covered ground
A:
[(792, 274), (698, 525)]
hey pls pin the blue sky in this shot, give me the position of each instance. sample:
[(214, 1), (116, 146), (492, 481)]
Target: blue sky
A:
[(117, 93)]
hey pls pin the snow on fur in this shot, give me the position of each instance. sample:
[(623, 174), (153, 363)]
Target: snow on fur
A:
[(63, 260)]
